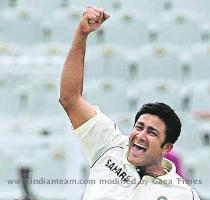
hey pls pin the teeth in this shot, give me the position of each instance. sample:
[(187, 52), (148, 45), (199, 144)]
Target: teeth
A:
[(140, 146)]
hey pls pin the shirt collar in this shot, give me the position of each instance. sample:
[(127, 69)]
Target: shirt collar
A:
[(168, 166)]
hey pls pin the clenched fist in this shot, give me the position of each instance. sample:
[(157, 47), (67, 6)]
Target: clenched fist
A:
[(92, 18)]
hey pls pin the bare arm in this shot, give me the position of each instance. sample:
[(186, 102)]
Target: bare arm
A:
[(79, 110)]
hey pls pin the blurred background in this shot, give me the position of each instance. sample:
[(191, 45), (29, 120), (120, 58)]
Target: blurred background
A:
[(147, 51)]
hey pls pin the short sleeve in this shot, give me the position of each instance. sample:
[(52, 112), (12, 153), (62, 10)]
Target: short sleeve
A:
[(97, 135)]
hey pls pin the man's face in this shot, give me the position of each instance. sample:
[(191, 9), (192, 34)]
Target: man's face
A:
[(145, 141)]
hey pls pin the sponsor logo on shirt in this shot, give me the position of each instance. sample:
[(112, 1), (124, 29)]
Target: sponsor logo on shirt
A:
[(118, 170)]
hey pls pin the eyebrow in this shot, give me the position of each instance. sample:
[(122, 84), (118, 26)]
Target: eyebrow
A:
[(149, 127)]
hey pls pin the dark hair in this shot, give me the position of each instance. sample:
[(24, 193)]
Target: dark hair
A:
[(167, 114)]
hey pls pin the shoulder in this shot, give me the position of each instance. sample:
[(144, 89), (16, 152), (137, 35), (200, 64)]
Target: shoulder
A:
[(185, 186), (181, 184)]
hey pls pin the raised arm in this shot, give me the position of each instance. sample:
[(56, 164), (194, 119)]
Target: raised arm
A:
[(79, 110)]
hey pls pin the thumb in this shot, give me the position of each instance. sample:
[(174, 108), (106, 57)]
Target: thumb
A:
[(105, 16)]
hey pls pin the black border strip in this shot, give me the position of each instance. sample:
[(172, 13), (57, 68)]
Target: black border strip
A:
[(192, 193), (104, 153)]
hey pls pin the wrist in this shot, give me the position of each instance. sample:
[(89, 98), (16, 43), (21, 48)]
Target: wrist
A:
[(82, 33), (79, 40)]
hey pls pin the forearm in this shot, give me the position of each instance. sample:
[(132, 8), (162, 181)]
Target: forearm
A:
[(73, 71), (79, 110)]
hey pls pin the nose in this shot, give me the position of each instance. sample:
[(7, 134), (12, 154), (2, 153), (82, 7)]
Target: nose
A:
[(141, 135)]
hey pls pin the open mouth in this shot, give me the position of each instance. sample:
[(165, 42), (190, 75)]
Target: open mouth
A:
[(139, 147)]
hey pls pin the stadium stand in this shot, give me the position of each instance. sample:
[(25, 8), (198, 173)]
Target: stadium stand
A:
[(163, 54), (162, 59), (15, 22), (201, 7), (130, 19), (197, 59), (106, 61), (179, 27), (100, 92)]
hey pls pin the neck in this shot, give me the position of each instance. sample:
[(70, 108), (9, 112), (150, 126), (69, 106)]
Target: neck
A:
[(152, 170)]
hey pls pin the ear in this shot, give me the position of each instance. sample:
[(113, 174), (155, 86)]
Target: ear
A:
[(167, 148)]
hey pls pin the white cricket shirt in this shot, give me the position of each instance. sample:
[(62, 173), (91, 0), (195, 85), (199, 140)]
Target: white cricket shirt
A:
[(114, 177)]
